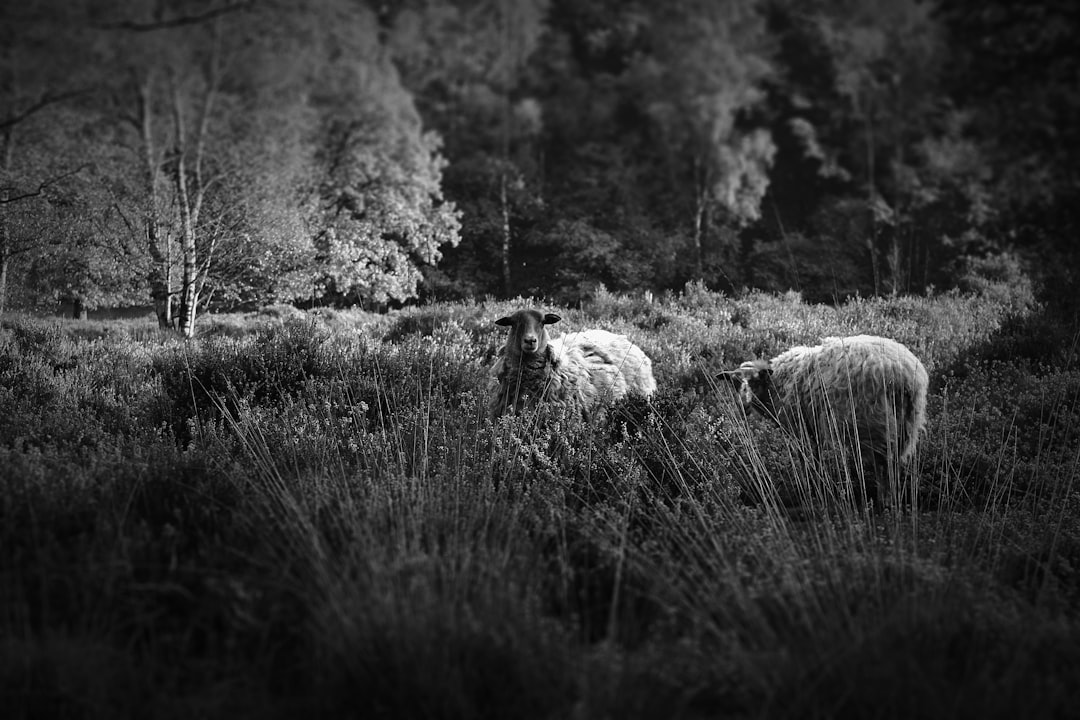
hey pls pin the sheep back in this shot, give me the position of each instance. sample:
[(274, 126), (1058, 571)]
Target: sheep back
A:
[(619, 352), (873, 384), (581, 375)]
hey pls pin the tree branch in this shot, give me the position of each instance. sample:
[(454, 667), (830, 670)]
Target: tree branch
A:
[(43, 102), (175, 22), (41, 188)]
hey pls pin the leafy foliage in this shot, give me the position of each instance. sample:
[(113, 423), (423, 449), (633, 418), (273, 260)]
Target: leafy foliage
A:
[(345, 154), (387, 218)]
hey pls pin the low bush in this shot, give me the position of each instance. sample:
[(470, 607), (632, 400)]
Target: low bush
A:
[(313, 515)]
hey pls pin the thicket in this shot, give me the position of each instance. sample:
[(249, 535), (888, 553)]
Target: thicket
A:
[(312, 514), (340, 153)]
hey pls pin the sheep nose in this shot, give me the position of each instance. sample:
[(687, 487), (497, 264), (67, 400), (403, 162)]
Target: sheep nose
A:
[(528, 342)]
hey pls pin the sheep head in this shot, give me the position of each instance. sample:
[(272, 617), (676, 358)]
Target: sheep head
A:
[(754, 382), (528, 336)]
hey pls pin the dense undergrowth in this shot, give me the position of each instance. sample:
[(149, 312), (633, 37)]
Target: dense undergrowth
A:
[(304, 513)]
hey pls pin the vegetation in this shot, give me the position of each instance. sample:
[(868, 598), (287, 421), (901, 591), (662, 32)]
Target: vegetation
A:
[(217, 153), (283, 512), (310, 513)]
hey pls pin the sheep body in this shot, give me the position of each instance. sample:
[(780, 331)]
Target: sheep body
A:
[(584, 370), (872, 386), (619, 352)]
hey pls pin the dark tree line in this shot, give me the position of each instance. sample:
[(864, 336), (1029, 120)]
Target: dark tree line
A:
[(835, 146), (238, 153)]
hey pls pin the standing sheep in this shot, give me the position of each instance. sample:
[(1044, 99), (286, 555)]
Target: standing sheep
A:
[(871, 385), (583, 369)]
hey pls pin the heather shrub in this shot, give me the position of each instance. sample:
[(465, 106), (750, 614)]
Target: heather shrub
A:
[(427, 321), (823, 269), (1000, 279), (42, 339), (641, 310), (273, 364), (57, 392), (316, 516), (999, 431)]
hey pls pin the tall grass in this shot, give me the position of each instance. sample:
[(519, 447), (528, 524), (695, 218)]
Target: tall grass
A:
[(308, 519)]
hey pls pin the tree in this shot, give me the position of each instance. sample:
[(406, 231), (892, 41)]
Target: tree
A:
[(277, 154), (863, 78), (1012, 78), (384, 216), (608, 197), (467, 62), (41, 73), (702, 85), (175, 63), (379, 214)]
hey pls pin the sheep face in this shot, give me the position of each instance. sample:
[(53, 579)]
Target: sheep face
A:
[(753, 380), (528, 335)]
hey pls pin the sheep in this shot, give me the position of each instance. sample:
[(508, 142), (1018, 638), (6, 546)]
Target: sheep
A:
[(872, 385), (583, 370)]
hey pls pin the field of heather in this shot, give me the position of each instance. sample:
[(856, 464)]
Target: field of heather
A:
[(301, 513)]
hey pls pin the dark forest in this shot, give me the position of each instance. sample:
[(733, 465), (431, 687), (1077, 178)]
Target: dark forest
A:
[(235, 155)]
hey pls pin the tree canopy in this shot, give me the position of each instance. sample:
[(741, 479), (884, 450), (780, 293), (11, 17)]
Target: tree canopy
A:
[(228, 153)]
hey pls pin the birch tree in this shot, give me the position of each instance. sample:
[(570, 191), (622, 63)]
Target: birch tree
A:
[(183, 127)]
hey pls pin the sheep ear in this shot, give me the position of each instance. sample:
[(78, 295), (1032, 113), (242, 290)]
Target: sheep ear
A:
[(551, 319), (505, 321)]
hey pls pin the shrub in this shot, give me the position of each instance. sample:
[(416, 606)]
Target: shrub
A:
[(216, 373), (354, 521), (822, 269)]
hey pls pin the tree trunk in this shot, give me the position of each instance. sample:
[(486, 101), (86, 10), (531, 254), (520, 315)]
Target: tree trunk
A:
[(186, 320), (6, 152), (699, 231), (5, 259), (3, 278), (160, 275), (871, 193), (190, 198), (896, 271), (505, 235)]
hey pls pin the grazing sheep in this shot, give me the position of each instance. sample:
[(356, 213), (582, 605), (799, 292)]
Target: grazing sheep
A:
[(872, 385), (583, 369)]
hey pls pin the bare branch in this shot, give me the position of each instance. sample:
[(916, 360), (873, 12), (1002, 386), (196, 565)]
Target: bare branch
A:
[(132, 230), (41, 188), (43, 102), (178, 21)]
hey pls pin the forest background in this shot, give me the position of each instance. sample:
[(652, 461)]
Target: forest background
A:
[(229, 155)]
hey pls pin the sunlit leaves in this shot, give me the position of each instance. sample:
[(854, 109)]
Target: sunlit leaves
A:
[(706, 76)]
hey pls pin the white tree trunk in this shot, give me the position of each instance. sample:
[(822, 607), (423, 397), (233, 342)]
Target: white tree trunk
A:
[(191, 198), (505, 234), (160, 275)]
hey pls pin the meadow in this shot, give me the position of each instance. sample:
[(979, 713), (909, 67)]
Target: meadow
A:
[(309, 514)]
